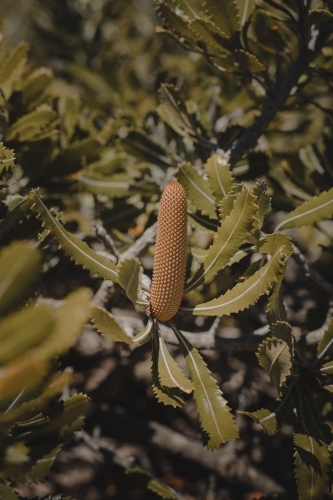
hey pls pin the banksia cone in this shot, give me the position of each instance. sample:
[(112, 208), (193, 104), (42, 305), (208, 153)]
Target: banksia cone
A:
[(170, 253)]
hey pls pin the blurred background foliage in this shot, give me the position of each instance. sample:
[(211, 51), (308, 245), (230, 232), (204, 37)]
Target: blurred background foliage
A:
[(98, 111)]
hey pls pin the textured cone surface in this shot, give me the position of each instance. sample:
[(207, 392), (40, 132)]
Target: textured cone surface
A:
[(170, 253)]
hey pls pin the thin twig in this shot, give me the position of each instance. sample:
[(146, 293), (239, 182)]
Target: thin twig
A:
[(314, 275)]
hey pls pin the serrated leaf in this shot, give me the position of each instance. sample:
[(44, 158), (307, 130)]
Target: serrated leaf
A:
[(326, 342), (215, 417), (29, 126), (197, 189), (129, 277), (225, 205), (7, 161), (246, 293), (312, 460), (167, 395), (245, 10), (151, 482), (174, 22), (107, 325), (230, 236), (115, 186), (283, 331), (265, 418), (19, 267), (12, 69), (275, 357), (226, 18), (248, 62), (145, 334), (76, 249), (7, 492), (169, 373), (42, 467), (263, 202), (220, 177), (318, 208), (207, 32), (36, 83), (276, 310)]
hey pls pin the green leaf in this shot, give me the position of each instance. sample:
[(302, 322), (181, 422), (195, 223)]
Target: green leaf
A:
[(129, 277), (22, 373), (19, 267), (174, 22), (227, 203), (151, 482), (283, 331), (327, 368), (76, 249), (42, 467), (36, 83), (173, 111), (115, 186), (226, 18), (138, 144), (247, 62), (312, 460), (197, 189), (246, 293), (318, 208), (12, 69), (76, 307), (264, 203), (220, 177), (215, 417), (29, 126), (7, 159), (169, 373), (275, 357), (266, 418), (276, 310), (230, 236), (106, 324), (207, 32), (245, 10), (7, 492), (23, 330), (167, 395), (326, 342), (145, 334)]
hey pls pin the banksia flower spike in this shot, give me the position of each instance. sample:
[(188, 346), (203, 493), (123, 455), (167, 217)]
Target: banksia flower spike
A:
[(170, 253)]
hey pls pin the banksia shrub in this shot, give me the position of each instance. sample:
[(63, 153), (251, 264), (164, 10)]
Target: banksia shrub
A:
[(170, 253)]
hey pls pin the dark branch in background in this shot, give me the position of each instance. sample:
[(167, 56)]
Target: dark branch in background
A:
[(314, 275), (251, 135)]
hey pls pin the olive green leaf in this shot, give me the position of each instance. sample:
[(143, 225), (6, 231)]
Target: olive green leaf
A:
[(174, 22), (12, 69), (327, 368), (42, 467), (173, 111), (169, 373), (326, 342), (114, 186), (201, 222), (19, 268), (266, 418), (245, 10), (76, 307), (76, 249), (316, 209), (208, 33), (14, 216), (7, 159), (226, 18), (215, 417), (247, 62), (283, 331), (145, 334), (312, 461), (107, 325), (230, 236), (276, 310), (23, 330), (138, 144), (247, 292), (151, 482), (263, 202), (275, 357), (197, 189), (29, 126), (167, 395), (226, 205), (220, 177), (7, 492), (22, 373), (36, 83), (129, 277)]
